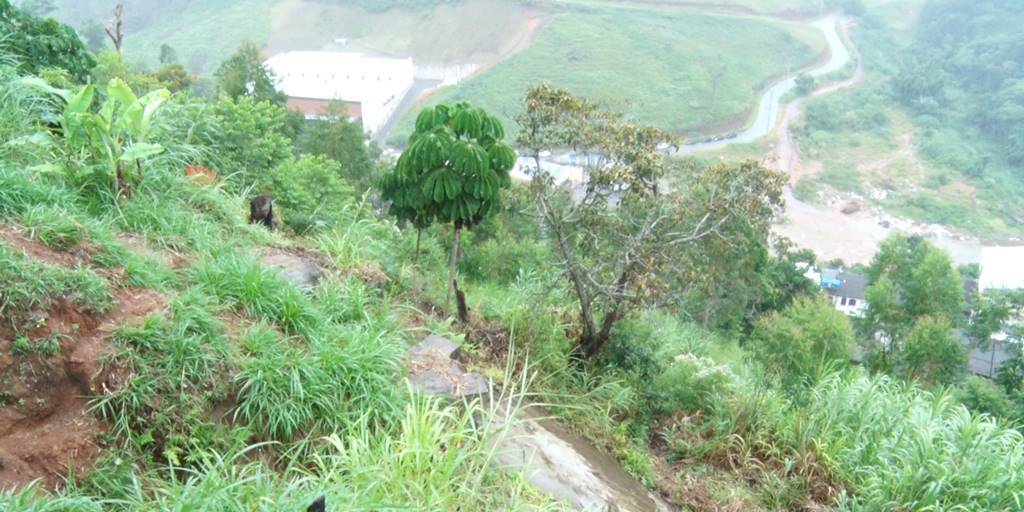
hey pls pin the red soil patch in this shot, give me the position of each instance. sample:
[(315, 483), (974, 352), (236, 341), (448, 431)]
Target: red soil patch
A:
[(45, 428), (73, 257)]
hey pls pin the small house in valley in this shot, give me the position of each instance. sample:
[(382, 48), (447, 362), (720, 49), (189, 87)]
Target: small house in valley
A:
[(848, 291)]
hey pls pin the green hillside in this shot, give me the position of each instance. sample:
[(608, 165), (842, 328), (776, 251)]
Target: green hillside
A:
[(681, 70), (161, 351), (648, 60)]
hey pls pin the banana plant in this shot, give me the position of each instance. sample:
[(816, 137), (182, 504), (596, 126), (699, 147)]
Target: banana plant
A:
[(117, 135)]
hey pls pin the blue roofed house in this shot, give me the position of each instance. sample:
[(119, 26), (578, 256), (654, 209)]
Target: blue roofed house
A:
[(848, 290)]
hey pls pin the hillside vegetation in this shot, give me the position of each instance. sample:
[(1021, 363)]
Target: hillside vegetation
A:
[(681, 70), (931, 126), (160, 352), (648, 60)]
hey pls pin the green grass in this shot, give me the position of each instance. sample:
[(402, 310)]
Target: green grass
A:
[(778, 7), (205, 33), (182, 362), (468, 31), (652, 63), (27, 285), (359, 469)]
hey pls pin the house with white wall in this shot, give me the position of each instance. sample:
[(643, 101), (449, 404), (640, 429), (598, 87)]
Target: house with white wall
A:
[(370, 88), (1002, 268), (847, 290)]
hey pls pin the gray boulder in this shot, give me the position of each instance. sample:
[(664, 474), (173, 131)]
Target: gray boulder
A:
[(434, 369)]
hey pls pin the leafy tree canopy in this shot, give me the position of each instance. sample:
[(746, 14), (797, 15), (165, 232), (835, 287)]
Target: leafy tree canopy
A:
[(911, 278), (623, 240), (343, 140), (243, 74), (453, 169), (931, 353), (42, 43)]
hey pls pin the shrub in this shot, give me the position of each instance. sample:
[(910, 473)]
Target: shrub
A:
[(309, 192), (983, 396), (802, 342), (692, 383), (931, 353)]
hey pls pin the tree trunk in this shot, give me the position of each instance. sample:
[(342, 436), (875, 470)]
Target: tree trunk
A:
[(460, 304), (708, 306), (992, 362), (452, 264), (586, 315), (114, 28), (590, 345), (123, 187)]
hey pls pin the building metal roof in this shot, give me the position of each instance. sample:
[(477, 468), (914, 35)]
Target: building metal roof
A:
[(343, 76), (853, 284)]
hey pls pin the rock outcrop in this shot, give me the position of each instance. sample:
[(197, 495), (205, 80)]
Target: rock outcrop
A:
[(554, 460)]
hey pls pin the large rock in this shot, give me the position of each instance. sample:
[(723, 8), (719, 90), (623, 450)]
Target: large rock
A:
[(565, 466), (299, 269), (434, 369)]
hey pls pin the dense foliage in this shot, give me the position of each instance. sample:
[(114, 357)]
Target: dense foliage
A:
[(967, 66), (805, 341), (40, 43), (228, 386)]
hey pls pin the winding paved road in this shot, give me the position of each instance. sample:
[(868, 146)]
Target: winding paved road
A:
[(769, 106), (831, 234), (854, 238)]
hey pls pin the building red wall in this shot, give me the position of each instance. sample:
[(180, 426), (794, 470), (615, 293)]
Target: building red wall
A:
[(317, 108)]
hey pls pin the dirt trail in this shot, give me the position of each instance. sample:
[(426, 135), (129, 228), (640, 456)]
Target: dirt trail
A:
[(46, 430), (827, 231)]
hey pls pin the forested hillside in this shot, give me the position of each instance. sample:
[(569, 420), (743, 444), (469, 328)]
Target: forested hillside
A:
[(935, 128), (966, 67), (169, 343)]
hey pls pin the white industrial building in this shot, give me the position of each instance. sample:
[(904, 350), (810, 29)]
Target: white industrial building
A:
[(371, 88), (1002, 268)]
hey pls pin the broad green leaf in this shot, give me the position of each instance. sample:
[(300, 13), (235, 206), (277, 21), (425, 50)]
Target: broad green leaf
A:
[(120, 91), (130, 120), (141, 150), (40, 84), (36, 139), (80, 103), (49, 168), (152, 101)]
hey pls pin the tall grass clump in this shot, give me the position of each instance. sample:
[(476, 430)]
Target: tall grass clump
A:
[(185, 217), (407, 470), (26, 284), (902, 448), (179, 367), (239, 280), (360, 239), (291, 391), (435, 457)]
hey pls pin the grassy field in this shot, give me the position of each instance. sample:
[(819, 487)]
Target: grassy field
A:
[(652, 63), (773, 7), (487, 29), (649, 60), (204, 33)]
